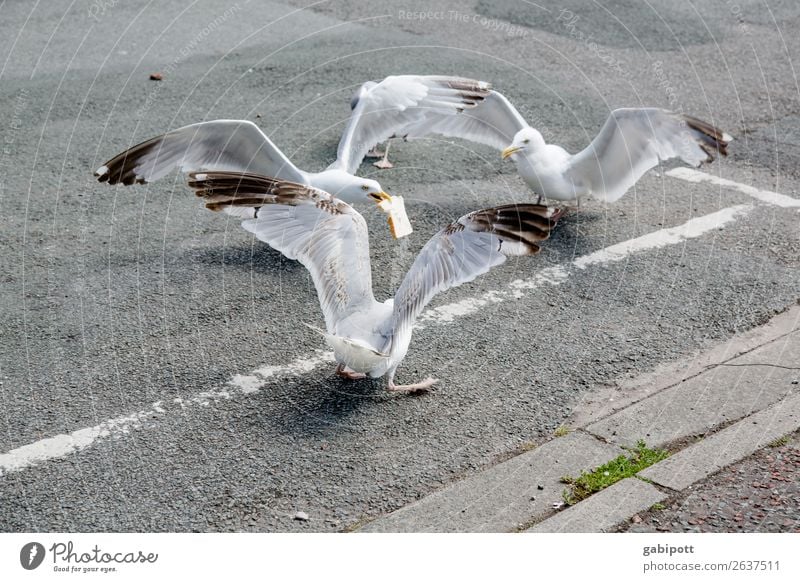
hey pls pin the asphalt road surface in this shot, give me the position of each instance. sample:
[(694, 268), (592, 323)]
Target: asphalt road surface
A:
[(155, 375)]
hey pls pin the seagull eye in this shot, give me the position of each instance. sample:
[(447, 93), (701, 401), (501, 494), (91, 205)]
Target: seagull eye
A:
[(365, 187), (526, 141)]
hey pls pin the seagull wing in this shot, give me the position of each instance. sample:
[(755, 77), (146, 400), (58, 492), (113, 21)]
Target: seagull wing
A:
[(228, 145), (396, 103), (634, 140), (493, 122), (327, 236), (465, 249)]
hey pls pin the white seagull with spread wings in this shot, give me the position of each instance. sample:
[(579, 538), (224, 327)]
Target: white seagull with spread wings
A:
[(631, 142), (240, 146), (330, 239)]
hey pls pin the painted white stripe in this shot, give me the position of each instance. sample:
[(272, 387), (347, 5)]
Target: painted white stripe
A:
[(556, 275), (65, 444), (690, 175)]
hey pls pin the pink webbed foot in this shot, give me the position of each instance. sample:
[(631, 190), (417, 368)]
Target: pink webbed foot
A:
[(384, 163), (344, 372), (424, 386)]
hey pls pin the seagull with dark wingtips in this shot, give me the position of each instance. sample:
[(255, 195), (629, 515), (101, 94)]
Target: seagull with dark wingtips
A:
[(329, 238), (240, 146), (632, 140)]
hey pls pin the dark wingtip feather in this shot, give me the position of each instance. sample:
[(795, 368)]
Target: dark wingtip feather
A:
[(712, 139), (526, 224)]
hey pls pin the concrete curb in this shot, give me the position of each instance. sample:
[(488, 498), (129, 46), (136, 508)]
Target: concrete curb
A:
[(748, 388), (504, 498), (605, 509)]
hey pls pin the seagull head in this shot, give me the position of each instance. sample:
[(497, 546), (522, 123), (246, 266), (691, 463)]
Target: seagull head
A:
[(351, 189), (526, 140)]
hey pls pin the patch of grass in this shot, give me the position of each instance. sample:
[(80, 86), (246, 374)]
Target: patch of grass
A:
[(586, 484), (779, 442), (658, 507), (562, 430)]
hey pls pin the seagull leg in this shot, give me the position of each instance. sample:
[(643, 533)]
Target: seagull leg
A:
[(344, 372), (375, 153), (384, 164)]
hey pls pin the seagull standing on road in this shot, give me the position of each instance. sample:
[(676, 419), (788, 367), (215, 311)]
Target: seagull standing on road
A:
[(631, 142), (330, 239)]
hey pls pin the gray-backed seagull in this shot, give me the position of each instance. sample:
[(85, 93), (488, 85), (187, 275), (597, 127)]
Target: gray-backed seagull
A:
[(382, 110), (330, 239), (240, 146), (632, 141)]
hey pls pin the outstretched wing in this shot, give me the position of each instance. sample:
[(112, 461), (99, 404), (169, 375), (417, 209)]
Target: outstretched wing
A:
[(467, 248), (390, 107), (222, 145), (493, 122), (326, 235), (634, 140)]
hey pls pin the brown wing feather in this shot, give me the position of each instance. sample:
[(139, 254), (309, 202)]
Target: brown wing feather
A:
[(711, 138), (225, 189)]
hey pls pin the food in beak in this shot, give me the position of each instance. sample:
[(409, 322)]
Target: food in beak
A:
[(395, 207)]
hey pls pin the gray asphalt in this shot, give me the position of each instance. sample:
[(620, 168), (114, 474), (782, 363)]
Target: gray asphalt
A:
[(759, 494), (115, 298)]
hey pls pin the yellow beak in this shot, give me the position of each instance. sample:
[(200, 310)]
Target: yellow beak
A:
[(395, 207), (510, 150)]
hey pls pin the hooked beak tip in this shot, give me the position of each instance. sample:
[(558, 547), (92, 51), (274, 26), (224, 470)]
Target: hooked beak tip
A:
[(510, 150)]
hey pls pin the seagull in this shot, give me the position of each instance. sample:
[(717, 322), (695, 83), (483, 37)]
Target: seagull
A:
[(329, 237), (240, 146), (381, 110), (632, 141)]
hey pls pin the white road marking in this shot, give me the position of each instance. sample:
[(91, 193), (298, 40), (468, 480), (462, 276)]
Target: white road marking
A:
[(556, 275), (63, 445), (690, 175)]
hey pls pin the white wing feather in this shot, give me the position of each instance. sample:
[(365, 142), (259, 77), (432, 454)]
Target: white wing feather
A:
[(634, 140), (222, 145), (390, 107), (466, 249), (493, 122), (329, 238)]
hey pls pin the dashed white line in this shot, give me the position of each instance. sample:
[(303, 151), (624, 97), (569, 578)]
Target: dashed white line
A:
[(65, 444), (690, 175), (558, 274)]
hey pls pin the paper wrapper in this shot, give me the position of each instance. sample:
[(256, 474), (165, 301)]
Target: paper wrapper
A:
[(399, 223)]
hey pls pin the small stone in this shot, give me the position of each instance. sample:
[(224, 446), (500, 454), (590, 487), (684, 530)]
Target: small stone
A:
[(301, 516), (540, 487), (636, 519), (156, 76)]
